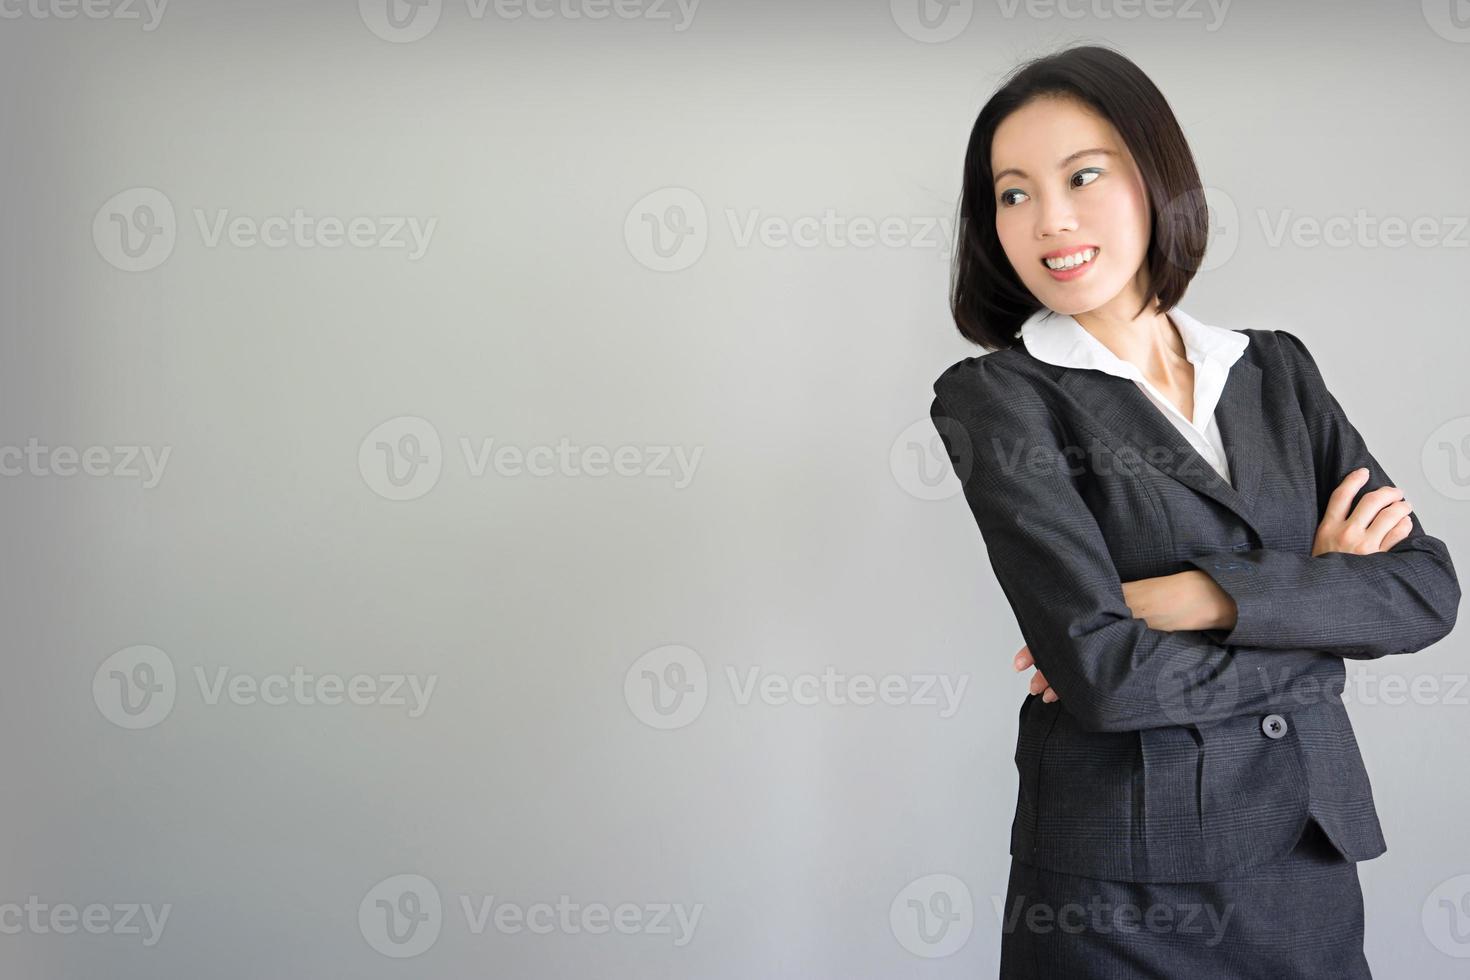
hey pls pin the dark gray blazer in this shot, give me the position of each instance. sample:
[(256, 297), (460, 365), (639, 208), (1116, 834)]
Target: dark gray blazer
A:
[(1175, 756)]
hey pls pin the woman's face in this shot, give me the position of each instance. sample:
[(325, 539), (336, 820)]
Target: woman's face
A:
[(1066, 184)]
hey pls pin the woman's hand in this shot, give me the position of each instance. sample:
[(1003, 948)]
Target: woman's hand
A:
[(1380, 521), (1038, 683)]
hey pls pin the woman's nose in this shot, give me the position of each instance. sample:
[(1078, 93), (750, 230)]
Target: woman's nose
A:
[(1054, 217)]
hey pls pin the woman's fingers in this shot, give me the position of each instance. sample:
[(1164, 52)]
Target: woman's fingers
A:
[(1397, 533), (1337, 503), (1037, 683), (1386, 520), (1373, 501), (1378, 522)]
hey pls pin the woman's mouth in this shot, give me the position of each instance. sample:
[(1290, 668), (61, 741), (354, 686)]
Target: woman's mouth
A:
[(1069, 264)]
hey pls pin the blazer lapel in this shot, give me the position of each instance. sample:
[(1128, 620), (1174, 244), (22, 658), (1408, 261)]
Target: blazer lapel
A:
[(1124, 418)]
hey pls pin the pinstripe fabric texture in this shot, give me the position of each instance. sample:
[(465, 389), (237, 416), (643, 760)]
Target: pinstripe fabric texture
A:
[(1189, 755), (1300, 918)]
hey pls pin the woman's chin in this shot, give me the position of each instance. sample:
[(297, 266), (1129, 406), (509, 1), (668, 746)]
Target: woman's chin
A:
[(1058, 298)]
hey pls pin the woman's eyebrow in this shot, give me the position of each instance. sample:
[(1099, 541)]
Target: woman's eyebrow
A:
[(1065, 160)]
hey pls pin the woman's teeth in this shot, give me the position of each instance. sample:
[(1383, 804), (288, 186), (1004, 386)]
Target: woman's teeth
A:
[(1071, 261)]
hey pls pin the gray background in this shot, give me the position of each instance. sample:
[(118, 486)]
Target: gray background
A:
[(814, 532)]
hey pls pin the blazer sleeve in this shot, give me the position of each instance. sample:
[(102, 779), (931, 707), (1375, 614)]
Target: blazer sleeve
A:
[(1112, 671), (1356, 606)]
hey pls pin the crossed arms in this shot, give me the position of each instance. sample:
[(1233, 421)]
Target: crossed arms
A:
[(1115, 670)]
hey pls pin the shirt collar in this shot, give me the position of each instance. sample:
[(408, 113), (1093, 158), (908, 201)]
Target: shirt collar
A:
[(1059, 339)]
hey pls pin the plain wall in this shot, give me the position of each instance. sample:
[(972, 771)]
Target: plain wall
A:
[(591, 638)]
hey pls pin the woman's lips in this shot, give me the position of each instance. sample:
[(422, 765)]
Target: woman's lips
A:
[(1066, 275)]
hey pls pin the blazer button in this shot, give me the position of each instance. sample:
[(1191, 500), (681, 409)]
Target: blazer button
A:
[(1274, 726)]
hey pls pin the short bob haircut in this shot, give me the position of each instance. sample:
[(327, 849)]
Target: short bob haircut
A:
[(987, 298)]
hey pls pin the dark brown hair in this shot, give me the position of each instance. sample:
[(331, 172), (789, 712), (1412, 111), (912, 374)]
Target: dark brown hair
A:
[(987, 298)]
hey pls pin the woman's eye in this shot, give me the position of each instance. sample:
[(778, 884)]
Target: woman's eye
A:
[(1091, 175), (1005, 198)]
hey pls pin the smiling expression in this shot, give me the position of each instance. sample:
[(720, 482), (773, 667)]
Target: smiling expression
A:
[(1072, 211)]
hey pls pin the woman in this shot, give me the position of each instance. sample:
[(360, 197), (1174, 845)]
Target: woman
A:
[(1176, 514)]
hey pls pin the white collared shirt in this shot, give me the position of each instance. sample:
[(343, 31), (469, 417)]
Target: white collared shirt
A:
[(1059, 339)]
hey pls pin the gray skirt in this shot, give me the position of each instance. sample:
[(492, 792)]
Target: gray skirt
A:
[(1298, 918)]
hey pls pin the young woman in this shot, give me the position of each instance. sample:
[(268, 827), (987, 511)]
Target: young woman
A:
[(1177, 515)]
